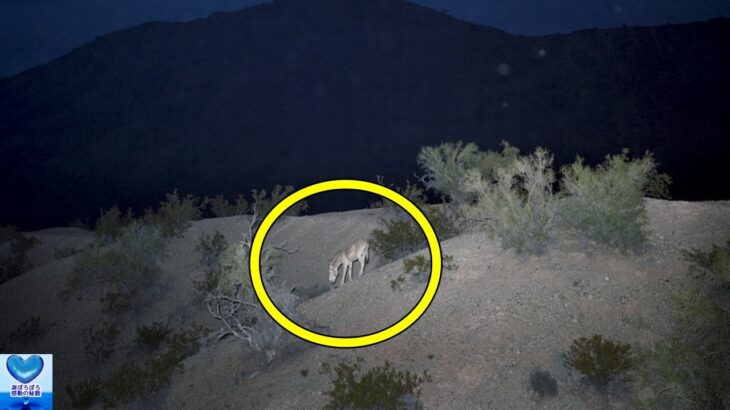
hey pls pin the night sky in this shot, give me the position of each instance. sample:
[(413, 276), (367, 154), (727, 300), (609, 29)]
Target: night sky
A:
[(33, 32)]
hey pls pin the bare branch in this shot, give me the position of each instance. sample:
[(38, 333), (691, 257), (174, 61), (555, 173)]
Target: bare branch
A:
[(282, 247)]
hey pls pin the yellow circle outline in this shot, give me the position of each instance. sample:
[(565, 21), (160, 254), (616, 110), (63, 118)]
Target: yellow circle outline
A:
[(335, 341)]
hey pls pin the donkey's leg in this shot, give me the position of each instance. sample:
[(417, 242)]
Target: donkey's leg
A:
[(361, 258), (349, 270)]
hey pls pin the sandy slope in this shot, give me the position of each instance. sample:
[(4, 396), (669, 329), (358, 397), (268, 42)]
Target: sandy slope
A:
[(493, 320)]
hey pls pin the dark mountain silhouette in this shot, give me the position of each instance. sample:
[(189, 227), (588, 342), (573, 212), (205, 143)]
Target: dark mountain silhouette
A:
[(296, 92)]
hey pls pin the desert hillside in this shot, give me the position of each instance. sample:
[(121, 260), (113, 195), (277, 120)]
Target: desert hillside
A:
[(324, 89), (496, 317)]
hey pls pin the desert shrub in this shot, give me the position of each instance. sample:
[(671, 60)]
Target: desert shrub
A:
[(446, 167), (234, 304), (111, 223), (264, 203), (418, 269), (84, 394), (380, 387), (261, 203), (128, 265), (174, 214), (134, 381), (64, 252), (600, 360), (211, 248), (152, 337), (220, 207), (116, 303), (397, 283), (607, 202), (448, 263), (138, 249), (543, 383), (100, 341), (713, 265), (399, 238), (690, 369), (403, 236), (16, 263), (657, 184), (514, 201), (186, 341), (29, 330), (413, 192)]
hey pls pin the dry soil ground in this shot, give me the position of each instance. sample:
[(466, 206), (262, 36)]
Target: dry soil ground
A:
[(494, 319)]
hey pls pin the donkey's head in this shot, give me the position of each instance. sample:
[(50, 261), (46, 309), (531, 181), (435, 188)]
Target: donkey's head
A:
[(333, 272)]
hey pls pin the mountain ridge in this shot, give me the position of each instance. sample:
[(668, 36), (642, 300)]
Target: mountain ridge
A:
[(286, 92)]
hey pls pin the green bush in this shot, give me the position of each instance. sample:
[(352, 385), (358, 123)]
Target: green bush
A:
[(397, 283), (713, 265), (62, 252), (447, 165), (690, 369), (174, 214), (514, 199), (17, 263), (418, 268), (134, 381), (152, 337), (402, 237), (607, 202), (413, 192), (543, 384), (100, 341), (83, 395), (27, 331), (220, 207), (116, 303), (601, 361), (234, 304), (264, 203), (211, 250), (111, 223), (128, 265), (380, 387), (261, 203), (657, 185)]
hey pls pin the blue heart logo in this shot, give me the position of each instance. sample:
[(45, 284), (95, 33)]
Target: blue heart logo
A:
[(26, 370)]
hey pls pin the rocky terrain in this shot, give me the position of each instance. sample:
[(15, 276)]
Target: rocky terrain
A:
[(495, 318)]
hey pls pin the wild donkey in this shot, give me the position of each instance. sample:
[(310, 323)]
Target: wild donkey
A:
[(356, 251)]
